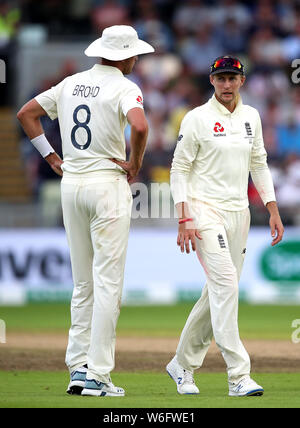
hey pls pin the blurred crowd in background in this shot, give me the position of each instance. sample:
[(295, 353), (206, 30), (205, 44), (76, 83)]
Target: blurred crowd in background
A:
[(187, 36)]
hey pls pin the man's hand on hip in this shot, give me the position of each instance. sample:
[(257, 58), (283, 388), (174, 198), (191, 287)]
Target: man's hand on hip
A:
[(55, 162), (131, 169)]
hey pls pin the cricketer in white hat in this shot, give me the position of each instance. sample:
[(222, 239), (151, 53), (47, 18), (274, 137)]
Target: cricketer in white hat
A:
[(117, 43), (93, 108)]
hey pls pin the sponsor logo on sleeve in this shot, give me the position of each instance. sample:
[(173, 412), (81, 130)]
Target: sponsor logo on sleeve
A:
[(139, 100)]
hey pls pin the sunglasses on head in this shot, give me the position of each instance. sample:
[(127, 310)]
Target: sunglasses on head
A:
[(227, 62)]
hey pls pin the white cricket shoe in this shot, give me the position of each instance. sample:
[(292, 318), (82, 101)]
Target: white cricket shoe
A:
[(99, 389), (183, 378), (245, 387), (77, 381)]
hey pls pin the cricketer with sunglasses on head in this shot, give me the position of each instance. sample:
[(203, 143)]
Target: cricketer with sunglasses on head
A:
[(219, 143)]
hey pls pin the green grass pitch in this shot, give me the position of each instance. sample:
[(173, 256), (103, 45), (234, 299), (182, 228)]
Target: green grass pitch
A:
[(149, 389), (145, 390), (255, 321)]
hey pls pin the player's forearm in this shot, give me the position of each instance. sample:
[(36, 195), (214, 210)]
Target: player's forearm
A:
[(183, 210), (31, 125), (29, 117), (263, 182), (138, 145), (272, 208), (178, 183)]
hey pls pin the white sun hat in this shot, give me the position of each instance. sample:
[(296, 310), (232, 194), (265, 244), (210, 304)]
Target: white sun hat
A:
[(117, 43)]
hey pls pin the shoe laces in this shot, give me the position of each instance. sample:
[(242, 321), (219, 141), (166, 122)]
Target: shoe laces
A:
[(188, 377), (111, 386), (246, 380), (243, 382)]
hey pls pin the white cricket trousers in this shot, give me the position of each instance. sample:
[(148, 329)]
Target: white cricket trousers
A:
[(96, 214), (221, 253)]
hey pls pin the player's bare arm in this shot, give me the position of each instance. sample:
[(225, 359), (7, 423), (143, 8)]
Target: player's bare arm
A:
[(138, 139), (29, 116), (187, 231), (275, 222)]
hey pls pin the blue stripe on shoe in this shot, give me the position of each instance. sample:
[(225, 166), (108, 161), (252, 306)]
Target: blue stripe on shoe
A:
[(258, 391), (93, 384), (76, 375)]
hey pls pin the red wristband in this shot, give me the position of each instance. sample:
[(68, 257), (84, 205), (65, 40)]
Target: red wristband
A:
[(183, 220)]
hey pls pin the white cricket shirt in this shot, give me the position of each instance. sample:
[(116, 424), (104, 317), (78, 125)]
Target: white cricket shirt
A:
[(215, 151), (91, 108)]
